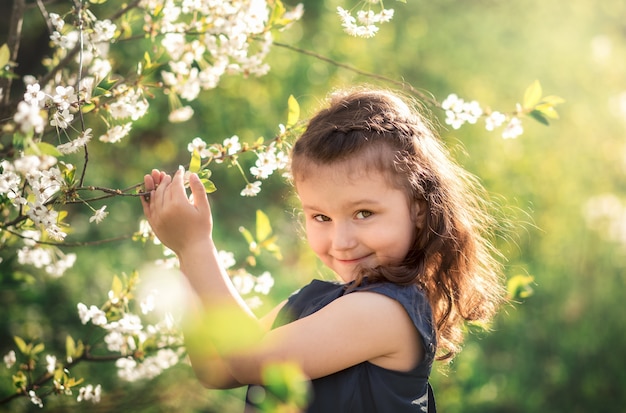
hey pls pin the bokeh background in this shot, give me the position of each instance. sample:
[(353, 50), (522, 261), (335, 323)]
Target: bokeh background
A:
[(562, 188)]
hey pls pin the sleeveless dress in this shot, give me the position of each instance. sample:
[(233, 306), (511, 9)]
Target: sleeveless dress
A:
[(365, 387)]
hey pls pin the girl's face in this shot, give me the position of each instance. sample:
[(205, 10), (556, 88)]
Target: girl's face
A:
[(355, 217)]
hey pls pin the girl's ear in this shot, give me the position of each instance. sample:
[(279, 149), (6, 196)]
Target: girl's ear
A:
[(419, 208)]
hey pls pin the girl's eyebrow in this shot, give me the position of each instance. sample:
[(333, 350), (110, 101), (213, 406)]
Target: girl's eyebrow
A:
[(349, 204)]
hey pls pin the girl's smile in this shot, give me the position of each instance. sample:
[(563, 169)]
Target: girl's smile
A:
[(355, 218)]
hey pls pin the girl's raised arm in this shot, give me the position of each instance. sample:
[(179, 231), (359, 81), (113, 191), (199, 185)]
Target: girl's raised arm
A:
[(229, 346)]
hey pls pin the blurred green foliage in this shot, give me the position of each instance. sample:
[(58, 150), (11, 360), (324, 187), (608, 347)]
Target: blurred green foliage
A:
[(558, 350)]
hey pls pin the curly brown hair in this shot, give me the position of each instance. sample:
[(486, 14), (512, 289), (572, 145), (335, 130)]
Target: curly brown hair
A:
[(452, 258)]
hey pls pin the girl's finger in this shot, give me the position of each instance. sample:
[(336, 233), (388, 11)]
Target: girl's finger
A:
[(148, 183), (200, 200)]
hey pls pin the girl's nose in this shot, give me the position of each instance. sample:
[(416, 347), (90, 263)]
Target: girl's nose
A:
[(343, 237)]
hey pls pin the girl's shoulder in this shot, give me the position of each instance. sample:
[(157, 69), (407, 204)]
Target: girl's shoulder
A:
[(414, 301), (319, 293)]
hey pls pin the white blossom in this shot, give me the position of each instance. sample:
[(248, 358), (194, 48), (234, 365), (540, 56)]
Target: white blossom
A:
[(29, 117), (513, 129), (130, 370), (130, 103), (34, 399), (34, 95), (51, 363), (200, 146), (56, 21), (366, 20), (64, 97), (243, 282), (61, 119), (458, 111), (269, 161), (92, 313), (494, 120), (251, 189), (9, 359), (103, 31), (76, 144), (99, 215), (59, 266), (264, 283), (148, 304), (232, 145), (89, 393), (9, 180), (226, 258), (116, 133), (181, 114)]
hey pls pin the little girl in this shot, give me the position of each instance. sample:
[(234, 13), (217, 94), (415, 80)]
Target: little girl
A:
[(400, 224)]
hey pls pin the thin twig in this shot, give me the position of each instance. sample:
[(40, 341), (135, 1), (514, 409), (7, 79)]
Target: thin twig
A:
[(402, 84), (13, 42)]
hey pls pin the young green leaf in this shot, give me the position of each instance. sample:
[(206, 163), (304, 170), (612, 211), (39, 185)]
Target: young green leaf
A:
[(117, 286), (70, 348), (209, 186), (532, 95), (43, 148), (263, 227), (294, 111), (5, 55), (196, 162), (21, 345)]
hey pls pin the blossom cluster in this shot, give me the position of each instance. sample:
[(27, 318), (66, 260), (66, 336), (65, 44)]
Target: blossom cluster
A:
[(365, 21), (270, 158), (127, 335), (224, 45), (245, 283), (199, 41), (458, 112)]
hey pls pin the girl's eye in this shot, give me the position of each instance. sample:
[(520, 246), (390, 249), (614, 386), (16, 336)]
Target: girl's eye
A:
[(363, 214), (321, 218)]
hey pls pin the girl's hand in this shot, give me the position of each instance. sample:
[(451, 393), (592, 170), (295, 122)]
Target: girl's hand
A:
[(178, 222)]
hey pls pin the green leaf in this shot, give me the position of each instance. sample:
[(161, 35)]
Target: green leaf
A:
[(70, 347), (21, 345), (294, 111), (547, 110), (117, 286), (553, 100), (87, 107), (276, 16), (196, 162), (263, 227), (72, 382), (5, 55), (44, 148), (539, 117), (247, 235), (519, 286), (209, 186), (532, 95), (38, 349), (103, 87)]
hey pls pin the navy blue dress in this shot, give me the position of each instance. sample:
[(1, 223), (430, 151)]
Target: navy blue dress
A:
[(365, 387)]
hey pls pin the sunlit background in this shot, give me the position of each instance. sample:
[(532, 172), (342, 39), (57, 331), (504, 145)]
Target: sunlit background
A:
[(562, 187)]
